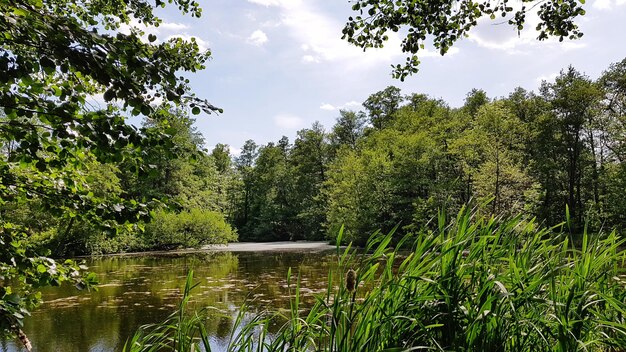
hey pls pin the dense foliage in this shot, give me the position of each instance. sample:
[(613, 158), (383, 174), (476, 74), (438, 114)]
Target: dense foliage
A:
[(445, 22), (406, 157), (471, 284), (63, 158)]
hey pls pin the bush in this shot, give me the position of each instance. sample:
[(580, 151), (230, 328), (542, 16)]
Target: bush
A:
[(189, 228)]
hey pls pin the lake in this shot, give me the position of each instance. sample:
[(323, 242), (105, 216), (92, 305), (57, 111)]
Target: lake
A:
[(137, 290)]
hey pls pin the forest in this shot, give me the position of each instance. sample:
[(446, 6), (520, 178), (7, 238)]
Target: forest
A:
[(549, 154)]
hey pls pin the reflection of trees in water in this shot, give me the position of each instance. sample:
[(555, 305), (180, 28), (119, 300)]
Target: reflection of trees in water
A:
[(140, 290)]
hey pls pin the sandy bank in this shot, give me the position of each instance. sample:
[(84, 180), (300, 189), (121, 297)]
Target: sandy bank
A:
[(271, 246)]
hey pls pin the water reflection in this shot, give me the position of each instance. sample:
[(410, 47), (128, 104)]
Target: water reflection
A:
[(140, 290)]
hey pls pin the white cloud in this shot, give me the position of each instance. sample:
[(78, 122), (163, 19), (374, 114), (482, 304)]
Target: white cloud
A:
[(308, 59), (551, 77), (435, 53), (607, 4), (319, 37), (173, 26), (271, 24), (572, 45), (266, 2), (288, 121), (602, 4), (257, 38), (503, 37), (499, 35), (163, 27), (234, 151), (349, 105), (95, 101), (202, 44), (249, 15)]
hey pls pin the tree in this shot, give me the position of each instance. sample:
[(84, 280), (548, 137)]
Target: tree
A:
[(272, 214), (167, 165), (574, 99), (612, 144), (445, 22), (382, 105), (400, 174), (613, 84), (54, 55), (225, 183), (348, 129), (309, 158), (501, 174), (474, 100), (245, 167), (221, 157)]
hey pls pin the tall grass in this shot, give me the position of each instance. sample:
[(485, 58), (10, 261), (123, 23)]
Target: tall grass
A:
[(179, 332), (473, 285)]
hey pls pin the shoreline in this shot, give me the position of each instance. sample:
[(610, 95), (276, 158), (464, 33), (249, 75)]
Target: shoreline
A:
[(281, 246)]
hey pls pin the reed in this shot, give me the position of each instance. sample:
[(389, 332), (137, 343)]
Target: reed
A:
[(474, 284)]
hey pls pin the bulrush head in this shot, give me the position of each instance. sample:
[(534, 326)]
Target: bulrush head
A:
[(24, 339), (351, 280)]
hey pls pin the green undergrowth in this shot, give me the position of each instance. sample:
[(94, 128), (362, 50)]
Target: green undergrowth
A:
[(473, 285)]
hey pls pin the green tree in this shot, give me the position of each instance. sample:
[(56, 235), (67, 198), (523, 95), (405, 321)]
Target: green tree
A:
[(272, 214), (474, 100), (613, 84), (245, 167), (612, 145), (382, 105), (167, 165), (348, 129), (445, 22), (226, 183), (309, 158), (501, 174), (221, 157), (53, 56), (400, 174), (573, 98)]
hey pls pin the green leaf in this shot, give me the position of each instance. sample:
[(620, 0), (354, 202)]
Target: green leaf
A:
[(13, 298), (18, 11)]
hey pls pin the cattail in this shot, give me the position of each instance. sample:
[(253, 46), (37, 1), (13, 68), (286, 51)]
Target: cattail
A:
[(24, 339), (351, 280)]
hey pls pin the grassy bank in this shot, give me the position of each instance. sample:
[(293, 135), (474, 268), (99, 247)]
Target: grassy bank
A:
[(473, 285)]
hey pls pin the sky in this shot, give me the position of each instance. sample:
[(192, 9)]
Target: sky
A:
[(277, 66)]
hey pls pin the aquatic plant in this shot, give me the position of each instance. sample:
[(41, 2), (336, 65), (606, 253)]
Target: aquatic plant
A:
[(474, 284)]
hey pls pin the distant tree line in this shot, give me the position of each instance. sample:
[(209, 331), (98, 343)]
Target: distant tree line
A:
[(399, 162), (407, 157)]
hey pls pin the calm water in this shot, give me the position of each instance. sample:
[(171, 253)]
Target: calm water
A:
[(139, 290)]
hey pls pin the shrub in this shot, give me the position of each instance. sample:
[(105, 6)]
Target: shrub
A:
[(189, 228)]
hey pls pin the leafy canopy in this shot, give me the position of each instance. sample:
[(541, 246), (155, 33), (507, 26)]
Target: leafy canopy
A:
[(444, 22), (54, 57)]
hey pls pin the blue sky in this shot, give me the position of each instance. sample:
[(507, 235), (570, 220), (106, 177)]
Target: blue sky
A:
[(280, 65)]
